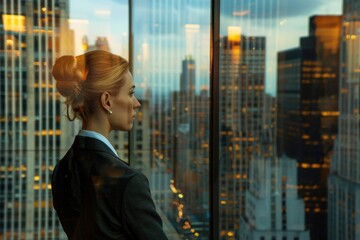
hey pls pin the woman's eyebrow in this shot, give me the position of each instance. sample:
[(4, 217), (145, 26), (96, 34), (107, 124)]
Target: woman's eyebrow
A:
[(132, 88)]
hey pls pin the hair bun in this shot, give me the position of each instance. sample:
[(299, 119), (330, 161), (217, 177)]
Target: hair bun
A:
[(68, 74)]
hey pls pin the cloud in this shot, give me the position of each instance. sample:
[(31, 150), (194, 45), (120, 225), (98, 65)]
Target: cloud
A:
[(265, 9)]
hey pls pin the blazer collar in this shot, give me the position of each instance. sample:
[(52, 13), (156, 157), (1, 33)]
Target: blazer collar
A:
[(92, 144)]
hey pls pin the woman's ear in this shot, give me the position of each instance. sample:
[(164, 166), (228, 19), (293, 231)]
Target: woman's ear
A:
[(105, 101)]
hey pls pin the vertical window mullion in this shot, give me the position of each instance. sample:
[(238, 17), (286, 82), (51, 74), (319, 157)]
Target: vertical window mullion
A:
[(214, 120)]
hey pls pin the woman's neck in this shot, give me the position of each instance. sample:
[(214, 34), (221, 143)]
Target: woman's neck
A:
[(97, 124)]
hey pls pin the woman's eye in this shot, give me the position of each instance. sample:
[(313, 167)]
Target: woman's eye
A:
[(132, 93)]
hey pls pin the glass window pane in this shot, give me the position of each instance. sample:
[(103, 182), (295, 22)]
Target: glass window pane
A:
[(171, 42), (279, 88), (34, 132)]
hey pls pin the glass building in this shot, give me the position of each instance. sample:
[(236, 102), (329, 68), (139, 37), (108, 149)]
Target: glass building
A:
[(32, 35), (344, 178), (307, 93)]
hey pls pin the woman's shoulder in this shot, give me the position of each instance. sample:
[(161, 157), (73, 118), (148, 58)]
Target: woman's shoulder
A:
[(96, 162), (110, 162)]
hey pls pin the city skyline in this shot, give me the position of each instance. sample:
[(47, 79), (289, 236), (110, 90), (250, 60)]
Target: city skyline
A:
[(260, 191), (289, 23)]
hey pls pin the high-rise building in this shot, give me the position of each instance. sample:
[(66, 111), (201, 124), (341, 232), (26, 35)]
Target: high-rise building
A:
[(33, 132), (242, 79), (273, 207), (190, 137), (308, 111), (344, 178), (184, 127)]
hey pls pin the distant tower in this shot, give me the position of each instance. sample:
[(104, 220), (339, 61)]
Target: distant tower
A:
[(344, 179), (85, 43), (101, 43), (33, 131), (184, 102), (187, 79), (190, 152), (308, 111)]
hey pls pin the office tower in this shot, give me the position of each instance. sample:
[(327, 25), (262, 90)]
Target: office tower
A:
[(269, 118), (308, 111), (344, 178), (242, 79), (33, 133), (31, 139), (190, 153), (184, 125), (273, 207)]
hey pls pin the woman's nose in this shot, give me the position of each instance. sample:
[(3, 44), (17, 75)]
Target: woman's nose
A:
[(137, 103)]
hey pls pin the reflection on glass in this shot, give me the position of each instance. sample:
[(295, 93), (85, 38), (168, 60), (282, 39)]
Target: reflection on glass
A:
[(279, 117), (308, 112), (30, 37), (34, 131), (171, 71)]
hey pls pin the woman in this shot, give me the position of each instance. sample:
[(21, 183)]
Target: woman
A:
[(95, 194)]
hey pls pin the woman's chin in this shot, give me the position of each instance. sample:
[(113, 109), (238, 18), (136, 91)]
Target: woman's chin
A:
[(129, 127), (124, 128)]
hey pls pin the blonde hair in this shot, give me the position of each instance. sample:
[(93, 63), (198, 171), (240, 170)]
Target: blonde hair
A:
[(83, 78)]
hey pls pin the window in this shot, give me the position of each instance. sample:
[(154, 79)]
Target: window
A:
[(287, 83), (171, 71)]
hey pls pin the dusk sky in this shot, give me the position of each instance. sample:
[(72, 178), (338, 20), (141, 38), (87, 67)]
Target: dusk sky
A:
[(283, 22)]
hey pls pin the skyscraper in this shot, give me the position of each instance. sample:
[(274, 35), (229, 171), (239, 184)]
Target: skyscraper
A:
[(344, 178), (273, 207), (190, 153), (32, 35), (242, 79), (307, 113)]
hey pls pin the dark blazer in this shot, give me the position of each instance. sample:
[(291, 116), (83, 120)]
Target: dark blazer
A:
[(98, 196)]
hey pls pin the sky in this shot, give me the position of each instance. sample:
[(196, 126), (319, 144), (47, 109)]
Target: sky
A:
[(282, 22), (100, 18)]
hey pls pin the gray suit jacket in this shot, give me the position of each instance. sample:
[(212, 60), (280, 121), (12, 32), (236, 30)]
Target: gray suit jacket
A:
[(98, 196)]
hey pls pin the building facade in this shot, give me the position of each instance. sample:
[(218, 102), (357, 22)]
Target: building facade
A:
[(242, 79), (34, 134), (274, 209), (190, 138), (344, 178), (308, 112)]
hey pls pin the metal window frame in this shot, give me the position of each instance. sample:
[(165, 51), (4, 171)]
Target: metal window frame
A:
[(131, 134), (214, 121)]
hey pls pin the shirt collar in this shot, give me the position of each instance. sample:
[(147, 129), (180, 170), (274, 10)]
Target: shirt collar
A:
[(96, 135)]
